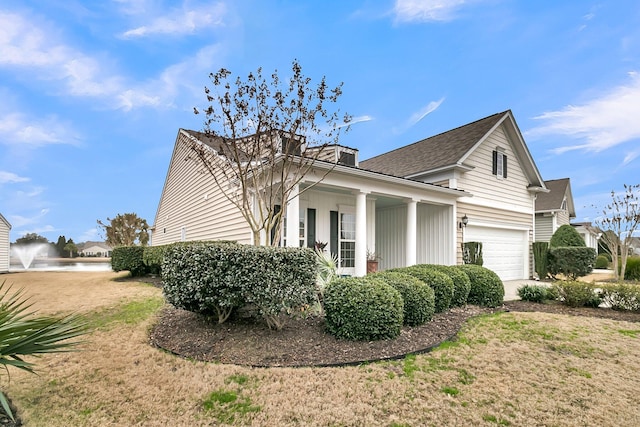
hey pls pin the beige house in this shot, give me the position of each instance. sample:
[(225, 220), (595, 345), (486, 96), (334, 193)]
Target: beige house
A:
[(5, 228), (406, 205), (95, 249), (553, 209)]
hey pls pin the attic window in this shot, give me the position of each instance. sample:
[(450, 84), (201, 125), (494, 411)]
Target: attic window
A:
[(564, 205), (499, 163), (346, 158)]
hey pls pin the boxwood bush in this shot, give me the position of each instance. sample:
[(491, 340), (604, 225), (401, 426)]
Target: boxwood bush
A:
[(363, 308), (418, 298), (461, 283), (152, 257), (486, 287), (602, 262), (441, 284), (129, 258)]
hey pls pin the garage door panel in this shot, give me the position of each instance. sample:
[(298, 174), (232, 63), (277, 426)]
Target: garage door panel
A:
[(503, 250)]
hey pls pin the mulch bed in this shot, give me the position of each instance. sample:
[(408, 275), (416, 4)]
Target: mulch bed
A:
[(304, 342)]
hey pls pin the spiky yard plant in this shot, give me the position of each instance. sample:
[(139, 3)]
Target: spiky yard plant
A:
[(22, 333)]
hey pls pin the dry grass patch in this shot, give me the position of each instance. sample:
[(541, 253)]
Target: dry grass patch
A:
[(506, 369)]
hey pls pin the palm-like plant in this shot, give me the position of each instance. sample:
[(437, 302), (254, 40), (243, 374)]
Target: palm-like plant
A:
[(23, 334)]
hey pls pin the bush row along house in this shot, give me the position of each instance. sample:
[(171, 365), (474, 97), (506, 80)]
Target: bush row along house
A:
[(406, 205)]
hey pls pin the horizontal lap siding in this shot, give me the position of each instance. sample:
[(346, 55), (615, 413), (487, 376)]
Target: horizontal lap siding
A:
[(510, 192), (544, 228), (4, 246), (191, 199)]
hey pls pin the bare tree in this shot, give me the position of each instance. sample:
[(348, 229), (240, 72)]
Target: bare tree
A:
[(264, 137), (619, 221), (125, 230)]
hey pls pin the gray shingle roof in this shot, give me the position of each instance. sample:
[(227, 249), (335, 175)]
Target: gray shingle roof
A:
[(435, 152), (553, 199)]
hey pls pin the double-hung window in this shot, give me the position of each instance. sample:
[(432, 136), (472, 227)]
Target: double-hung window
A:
[(499, 163), (347, 239)]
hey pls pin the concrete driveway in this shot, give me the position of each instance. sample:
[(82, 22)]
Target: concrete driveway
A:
[(511, 286)]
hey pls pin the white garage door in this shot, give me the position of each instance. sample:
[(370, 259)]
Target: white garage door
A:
[(503, 251)]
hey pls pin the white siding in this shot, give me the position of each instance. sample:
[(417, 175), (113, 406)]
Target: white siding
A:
[(434, 230), (4, 245), (507, 193), (191, 201), (391, 226)]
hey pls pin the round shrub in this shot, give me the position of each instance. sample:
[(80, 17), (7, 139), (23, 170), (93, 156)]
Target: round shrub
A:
[(362, 308), (566, 235), (602, 262), (461, 283), (486, 287), (441, 284), (419, 301)]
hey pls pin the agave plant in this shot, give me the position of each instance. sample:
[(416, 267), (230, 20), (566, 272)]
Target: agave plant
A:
[(24, 334)]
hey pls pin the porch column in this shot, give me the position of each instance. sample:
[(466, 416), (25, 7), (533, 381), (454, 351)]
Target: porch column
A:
[(361, 235), (293, 219), (412, 230)]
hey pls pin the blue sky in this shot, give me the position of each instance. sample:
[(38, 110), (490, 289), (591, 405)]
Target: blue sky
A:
[(92, 94)]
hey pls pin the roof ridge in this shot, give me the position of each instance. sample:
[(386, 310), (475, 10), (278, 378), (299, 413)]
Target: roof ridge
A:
[(438, 134)]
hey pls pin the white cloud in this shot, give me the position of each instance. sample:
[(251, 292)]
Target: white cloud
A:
[(32, 45), (21, 221), (89, 235), (630, 157), (600, 123), (179, 22), (18, 130), (427, 10), (11, 178), (183, 78), (424, 112)]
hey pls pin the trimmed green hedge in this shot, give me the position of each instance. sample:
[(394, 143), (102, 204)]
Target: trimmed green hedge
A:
[(602, 262), (566, 235), (486, 287), (129, 258), (419, 304), (461, 283), (363, 308), (441, 284), (216, 277)]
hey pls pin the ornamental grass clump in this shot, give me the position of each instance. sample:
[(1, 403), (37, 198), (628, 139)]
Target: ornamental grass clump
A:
[(419, 299), (487, 289), (363, 308)]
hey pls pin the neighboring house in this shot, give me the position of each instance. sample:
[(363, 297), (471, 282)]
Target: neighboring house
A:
[(589, 233), (5, 228), (95, 249), (406, 205), (553, 209)]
